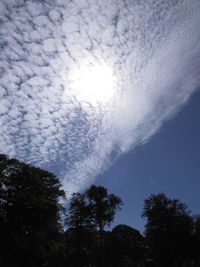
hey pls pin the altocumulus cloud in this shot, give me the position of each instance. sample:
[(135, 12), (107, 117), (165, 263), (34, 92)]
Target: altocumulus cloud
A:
[(152, 48)]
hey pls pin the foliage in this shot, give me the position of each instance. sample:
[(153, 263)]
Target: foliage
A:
[(196, 240), (102, 205), (168, 230), (29, 212), (80, 233), (129, 246), (32, 235), (88, 213), (78, 215)]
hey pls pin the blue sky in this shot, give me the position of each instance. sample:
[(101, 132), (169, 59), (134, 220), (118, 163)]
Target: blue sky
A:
[(169, 162)]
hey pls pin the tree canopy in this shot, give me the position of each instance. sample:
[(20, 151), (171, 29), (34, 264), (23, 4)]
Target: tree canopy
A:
[(29, 212), (32, 233), (168, 230), (89, 213)]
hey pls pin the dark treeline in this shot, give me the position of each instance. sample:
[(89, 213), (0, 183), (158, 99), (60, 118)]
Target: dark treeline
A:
[(33, 235)]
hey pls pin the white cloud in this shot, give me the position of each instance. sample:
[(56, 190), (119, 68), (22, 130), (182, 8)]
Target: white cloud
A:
[(152, 48)]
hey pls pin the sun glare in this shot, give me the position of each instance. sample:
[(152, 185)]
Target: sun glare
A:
[(93, 84)]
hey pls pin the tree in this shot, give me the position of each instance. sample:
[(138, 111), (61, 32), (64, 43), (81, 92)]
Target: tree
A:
[(88, 213), (168, 230), (126, 246), (196, 239), (29, 213), (80, 233), (103, 207), (79, 215)]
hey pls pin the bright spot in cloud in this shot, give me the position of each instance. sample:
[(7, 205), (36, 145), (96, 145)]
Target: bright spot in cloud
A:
[(93, 84)]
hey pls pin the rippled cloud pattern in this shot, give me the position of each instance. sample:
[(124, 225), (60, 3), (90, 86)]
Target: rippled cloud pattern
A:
[(152, 48)]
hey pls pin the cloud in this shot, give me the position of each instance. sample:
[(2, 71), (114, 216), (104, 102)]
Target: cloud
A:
[(152, 48)]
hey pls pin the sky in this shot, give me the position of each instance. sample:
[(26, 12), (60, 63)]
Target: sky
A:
[(168, 163), (84, 84)]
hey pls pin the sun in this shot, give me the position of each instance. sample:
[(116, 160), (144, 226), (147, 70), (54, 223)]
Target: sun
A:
[(93, 83)]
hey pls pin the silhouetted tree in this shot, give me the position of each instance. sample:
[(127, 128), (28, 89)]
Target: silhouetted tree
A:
[(80, 233), (89, 213), (29, 214), (126, 247), (31, 233), (79, 214), (196, 239), (103, 207), (168, 230)]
